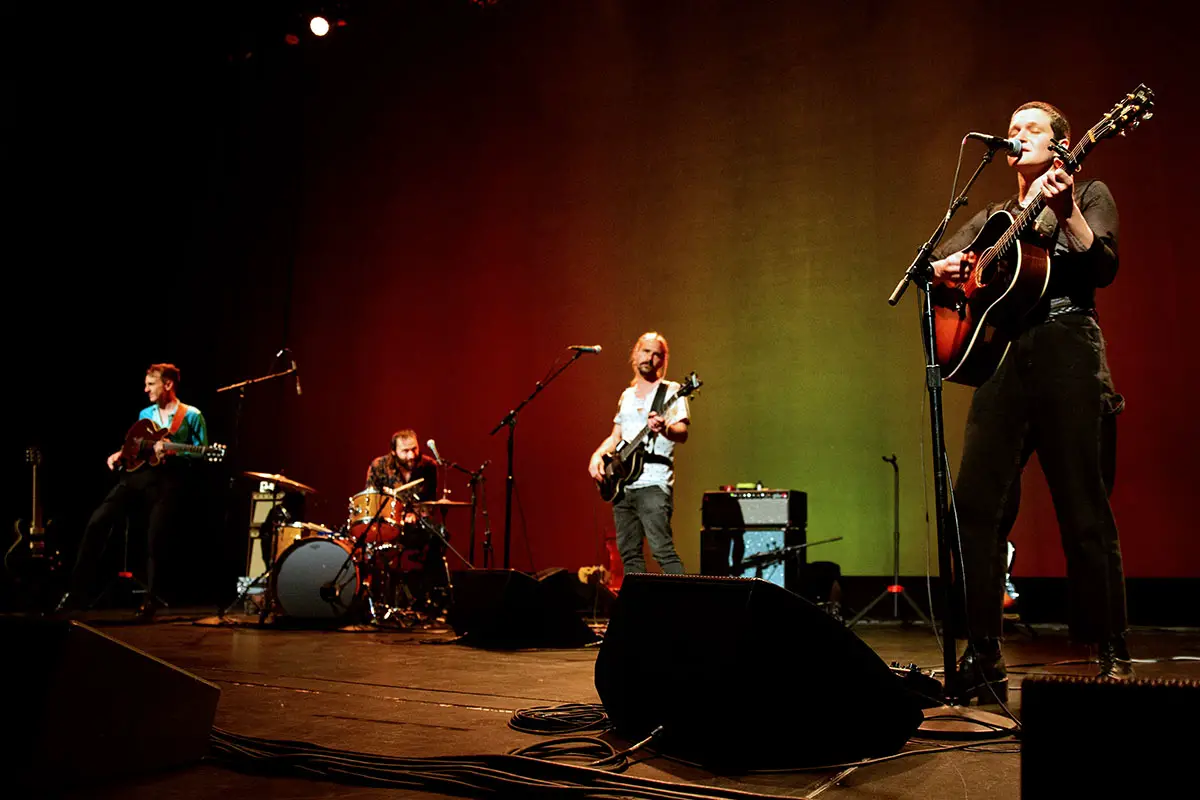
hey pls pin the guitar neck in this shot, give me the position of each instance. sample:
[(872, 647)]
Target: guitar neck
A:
[(185, 448), (1025, 218), (36, 525), (174, 447), (645, 431)]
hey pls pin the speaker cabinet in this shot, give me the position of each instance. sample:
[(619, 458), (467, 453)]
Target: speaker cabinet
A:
[(83, 707), (743, 674), (1086, 737), (504, 609), (748, 554)]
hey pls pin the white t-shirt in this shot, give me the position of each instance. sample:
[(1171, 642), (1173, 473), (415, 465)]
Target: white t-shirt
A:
[(632, 415)]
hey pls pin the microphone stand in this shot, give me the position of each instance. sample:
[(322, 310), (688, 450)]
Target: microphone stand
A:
[(921, 271), (237, 430), (472, 479), (510, 420)]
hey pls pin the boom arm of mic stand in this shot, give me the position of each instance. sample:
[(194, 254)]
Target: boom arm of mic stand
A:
[(510, 420), (252, 381), (921, 262)]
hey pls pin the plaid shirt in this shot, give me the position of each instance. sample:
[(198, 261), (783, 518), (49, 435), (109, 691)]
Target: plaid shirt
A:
[(386, 471)]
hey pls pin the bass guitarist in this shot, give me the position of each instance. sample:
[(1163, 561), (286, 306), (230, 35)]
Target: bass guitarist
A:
[(1051, 394), (643, 510), (157, 488)]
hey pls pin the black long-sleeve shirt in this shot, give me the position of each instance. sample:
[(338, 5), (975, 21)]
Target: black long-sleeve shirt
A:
[(1073, 275)]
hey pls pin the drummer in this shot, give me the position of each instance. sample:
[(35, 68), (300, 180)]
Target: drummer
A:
[(404, 464)]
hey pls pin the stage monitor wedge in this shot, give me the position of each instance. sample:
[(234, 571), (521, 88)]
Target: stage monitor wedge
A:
[(85, 708), (502, 609), (743, 674)]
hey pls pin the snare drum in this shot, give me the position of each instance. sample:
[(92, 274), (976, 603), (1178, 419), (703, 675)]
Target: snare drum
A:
[(315, 578), (363, 509)]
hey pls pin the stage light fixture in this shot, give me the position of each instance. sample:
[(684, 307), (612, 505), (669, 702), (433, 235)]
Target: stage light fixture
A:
[(319, 26)]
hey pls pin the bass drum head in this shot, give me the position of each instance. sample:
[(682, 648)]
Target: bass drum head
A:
[(305, 568)]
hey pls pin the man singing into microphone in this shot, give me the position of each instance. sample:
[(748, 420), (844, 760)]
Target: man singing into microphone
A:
[(1052, 394), (644, 510)]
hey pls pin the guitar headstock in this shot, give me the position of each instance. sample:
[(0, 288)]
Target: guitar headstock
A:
[(1126, 115), (690, 384), (214, 453), (33, 456)]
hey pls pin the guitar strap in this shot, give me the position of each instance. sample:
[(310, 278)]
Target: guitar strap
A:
[(177, 420), (660, 398)]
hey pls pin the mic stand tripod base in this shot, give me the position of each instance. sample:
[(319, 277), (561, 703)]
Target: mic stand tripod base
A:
[(894, 590), (965, 723)]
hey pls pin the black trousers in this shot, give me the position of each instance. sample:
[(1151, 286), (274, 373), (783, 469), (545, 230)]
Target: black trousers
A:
[(152, 494), (1051, 395)]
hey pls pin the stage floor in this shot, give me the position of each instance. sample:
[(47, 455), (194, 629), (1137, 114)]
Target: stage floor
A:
[(419, 694)]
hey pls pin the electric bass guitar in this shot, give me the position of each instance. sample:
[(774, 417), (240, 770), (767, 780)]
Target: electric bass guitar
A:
[(624, 466), (974, 320), (145, 433)]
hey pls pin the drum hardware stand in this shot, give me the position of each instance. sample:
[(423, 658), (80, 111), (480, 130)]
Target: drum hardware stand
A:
[(510, 421), (474, 479), (921, 271), (331, 591), (895, 589)]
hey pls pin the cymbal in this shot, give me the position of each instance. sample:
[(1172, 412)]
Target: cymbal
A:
[(280, 480), (443, 502)]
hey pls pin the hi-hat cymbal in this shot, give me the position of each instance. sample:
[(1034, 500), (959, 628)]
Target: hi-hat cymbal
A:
[(280, 480), (443, 502)]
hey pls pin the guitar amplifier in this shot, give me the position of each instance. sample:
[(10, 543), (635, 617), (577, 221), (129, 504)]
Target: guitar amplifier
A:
[(764, 508)]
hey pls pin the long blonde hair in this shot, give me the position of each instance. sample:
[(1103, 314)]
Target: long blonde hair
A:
[(658, 337)]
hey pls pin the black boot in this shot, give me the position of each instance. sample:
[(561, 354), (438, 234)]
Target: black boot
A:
[(1115, 663), (980, 675)]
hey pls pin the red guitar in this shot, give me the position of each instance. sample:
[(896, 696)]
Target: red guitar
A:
[(139, 447), (972, 319)]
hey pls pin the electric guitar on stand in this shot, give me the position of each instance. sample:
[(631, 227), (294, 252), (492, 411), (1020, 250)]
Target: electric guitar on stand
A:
[(624, 466), (31, 561), (973, 320)]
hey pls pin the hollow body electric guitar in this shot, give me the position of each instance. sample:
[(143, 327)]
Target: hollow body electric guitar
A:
[(974, 321), (138, 450), (624, 466)]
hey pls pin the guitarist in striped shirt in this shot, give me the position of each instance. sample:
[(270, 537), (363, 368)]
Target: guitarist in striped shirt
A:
[(1051, 394)]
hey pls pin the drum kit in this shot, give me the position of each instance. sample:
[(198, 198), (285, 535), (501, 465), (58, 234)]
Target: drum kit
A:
[(386, 565)]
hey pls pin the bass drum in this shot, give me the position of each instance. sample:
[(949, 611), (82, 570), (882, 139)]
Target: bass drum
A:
[(316, 578)]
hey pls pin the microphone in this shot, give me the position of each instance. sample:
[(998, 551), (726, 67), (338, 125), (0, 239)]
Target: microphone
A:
[(297, 372), (432, 445), (1013, 146), (585, 348)]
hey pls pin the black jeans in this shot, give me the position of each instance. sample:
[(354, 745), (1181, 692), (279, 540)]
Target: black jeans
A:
[(1051, 395), (154, 491), (646, 514)]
